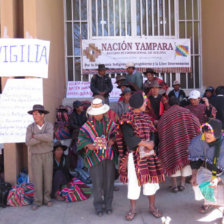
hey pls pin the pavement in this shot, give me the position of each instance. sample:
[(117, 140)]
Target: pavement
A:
[(180, 207)]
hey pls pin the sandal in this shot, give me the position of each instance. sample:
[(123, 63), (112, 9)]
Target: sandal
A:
[(174, 189), (156, 213), (205, 209), (130, 215), (181, 188)]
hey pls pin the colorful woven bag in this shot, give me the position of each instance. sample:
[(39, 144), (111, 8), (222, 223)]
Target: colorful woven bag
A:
[(21, 195), (76, 191)]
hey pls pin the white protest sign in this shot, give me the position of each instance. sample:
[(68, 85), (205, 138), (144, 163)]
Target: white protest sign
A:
[(18, 97), (24, 57), (81, 89), (164, 54)]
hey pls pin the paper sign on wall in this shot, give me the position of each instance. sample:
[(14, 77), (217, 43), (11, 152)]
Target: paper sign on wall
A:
[(24, 57), (18, 97), (81, 89)]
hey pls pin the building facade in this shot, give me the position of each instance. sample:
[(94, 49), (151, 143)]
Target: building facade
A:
[(66, 22)]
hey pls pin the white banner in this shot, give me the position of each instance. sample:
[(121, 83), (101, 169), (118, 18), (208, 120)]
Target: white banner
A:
[(162, 54), (24, 57), (81, 89), (18, 97)]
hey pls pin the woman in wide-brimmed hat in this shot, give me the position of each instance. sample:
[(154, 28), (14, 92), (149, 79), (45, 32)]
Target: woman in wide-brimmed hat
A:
[(61, 174), (95, 145), (139, 165), (150, 74)]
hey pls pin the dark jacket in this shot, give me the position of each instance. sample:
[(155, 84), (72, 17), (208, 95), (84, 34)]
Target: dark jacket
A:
[(181, 96), (101, 84), (75, 123), (218, 103), (63, 166)]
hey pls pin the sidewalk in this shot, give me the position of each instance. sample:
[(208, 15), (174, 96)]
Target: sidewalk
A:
[(180, 207)]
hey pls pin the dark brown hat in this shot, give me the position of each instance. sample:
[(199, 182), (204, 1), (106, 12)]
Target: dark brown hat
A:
[(58, 144), (154, 84), (149, 70), (38, 107), (102, 67), (119, 78)]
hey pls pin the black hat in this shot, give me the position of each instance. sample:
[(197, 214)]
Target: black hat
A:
[(58, 144), (38, 107), (210, 89), (215, 125), (136, 100), (77, 104), (102, 67), (126, 90), (149, 70)]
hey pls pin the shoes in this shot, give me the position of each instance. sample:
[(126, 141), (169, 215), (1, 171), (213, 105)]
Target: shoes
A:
[(35, 207), (109, 211), (181, 188), (49, 204), (99, 213)]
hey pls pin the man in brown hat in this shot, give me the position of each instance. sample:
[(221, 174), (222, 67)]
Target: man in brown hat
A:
[(101, 83), (39, 138)]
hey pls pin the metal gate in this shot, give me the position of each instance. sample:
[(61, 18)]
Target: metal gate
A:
[(85, 19)]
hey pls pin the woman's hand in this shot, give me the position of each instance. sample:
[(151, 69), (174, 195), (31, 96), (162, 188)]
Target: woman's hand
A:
[(214, 182)]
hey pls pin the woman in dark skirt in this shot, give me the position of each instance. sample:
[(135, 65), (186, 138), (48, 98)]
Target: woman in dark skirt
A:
[(61, 176)]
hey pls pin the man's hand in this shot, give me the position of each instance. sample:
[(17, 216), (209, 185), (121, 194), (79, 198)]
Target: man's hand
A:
[(205, 101), (194, 180), (91, 147), (110, 143), (149, 145)]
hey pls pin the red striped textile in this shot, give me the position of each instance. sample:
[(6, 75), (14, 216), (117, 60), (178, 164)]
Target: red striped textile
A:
[(176, 128), (148, 169)]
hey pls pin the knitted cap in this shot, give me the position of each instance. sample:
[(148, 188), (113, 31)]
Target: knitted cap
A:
[(214, 125), (136, 100)]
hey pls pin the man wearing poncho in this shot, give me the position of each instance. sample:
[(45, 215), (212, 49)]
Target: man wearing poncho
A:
[(176, 128), (136, 131), (206, 153), (95, 144)]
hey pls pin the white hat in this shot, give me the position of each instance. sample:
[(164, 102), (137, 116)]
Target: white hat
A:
[(194, 94), (176, 82), (97, 107), (130, 65)]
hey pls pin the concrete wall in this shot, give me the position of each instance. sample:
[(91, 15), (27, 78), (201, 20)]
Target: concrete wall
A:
[(42, 19), (212, 42)]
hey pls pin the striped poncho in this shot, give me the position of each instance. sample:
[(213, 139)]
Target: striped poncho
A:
[(176, 128), (148, 169), (88, 133)]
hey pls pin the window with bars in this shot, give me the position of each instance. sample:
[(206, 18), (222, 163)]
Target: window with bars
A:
[(112, 18)]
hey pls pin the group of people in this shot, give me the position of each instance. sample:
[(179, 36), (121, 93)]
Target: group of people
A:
[(154, 134)]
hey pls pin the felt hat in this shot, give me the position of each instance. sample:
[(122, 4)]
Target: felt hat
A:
[(176, 82), (77, 104), (215, 126), (126, 90), (194, 94), (58, 144), (38, 107), (149, 70), (102, 67), (130, 65), (97, 107), (136, 100), (120, 78), (154, 84)]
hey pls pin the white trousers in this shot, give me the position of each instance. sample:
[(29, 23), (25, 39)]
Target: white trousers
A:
[(134, 189), (184, 172)]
